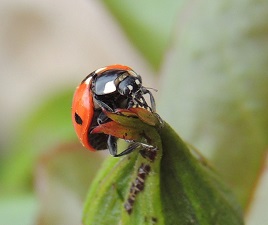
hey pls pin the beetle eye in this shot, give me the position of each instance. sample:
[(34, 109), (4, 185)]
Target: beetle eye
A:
[(78, 119)]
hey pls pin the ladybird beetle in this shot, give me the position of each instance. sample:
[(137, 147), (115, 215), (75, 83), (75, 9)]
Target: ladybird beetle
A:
[(109, 88)]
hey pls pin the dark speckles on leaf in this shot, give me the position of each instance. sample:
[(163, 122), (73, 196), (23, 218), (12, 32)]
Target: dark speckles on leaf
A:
[(149, 154), (137, 186)]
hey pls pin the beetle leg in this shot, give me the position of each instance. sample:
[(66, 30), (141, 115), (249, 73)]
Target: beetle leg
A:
[(144, 103), (103, 105), (140, 102), (112, 145), (130, 104), (130, 149), (146, 146), (146, 91), (102, 118)]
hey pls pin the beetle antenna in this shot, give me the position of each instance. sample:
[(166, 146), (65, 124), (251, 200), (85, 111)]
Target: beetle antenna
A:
[(151, 89)]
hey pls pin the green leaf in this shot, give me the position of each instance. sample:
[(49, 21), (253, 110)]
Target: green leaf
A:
[(111, 190), (128, 181), (192, 193), (175, 189)]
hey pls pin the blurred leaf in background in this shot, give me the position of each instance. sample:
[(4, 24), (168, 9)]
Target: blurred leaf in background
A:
[(257, 210), (217, 71), (18, 209), (44, 128), (147, 24), (62, 179), (43, 155)]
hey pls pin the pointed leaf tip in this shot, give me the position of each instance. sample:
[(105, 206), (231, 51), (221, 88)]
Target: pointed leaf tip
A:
[(171, 187)]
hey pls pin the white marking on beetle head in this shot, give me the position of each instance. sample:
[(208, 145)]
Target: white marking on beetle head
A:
[(137, 82), (109, 87), (130, 87), (87, 81)]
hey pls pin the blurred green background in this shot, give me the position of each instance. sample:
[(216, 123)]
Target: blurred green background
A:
[(208, 60)]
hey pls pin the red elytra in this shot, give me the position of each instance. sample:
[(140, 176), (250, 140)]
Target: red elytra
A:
[(83, 107)]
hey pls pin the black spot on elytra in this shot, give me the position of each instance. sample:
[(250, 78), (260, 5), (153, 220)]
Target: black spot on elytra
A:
[(78, 119)]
